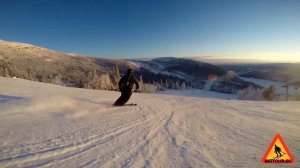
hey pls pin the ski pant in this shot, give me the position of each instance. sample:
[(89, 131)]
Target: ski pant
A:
[(125, 96)]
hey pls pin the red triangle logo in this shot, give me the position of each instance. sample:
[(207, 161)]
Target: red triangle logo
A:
[(278, 152)]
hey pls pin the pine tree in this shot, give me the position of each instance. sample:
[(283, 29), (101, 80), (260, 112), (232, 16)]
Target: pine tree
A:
[(172, 85), (161, 84), (105, 82), (6, 73), (142, 86), (167, 84), (183, 86), (116, 76), (141, 80), (269, 93)]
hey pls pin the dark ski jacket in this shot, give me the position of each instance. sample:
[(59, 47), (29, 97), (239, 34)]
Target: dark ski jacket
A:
[(126, 83)]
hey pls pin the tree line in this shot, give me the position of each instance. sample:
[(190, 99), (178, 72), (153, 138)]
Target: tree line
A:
[(82, 73)]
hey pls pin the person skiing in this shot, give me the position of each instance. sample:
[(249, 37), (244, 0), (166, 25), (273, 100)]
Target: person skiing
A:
[(126, 84), (277, 151)]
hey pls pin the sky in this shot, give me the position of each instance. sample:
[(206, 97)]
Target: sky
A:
[(250, 29)]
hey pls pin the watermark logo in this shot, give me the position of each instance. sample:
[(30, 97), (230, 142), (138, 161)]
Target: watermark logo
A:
[(278, 152)]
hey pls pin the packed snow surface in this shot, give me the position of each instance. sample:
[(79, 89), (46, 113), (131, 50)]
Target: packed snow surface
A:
[(204, 93), (44, 125)]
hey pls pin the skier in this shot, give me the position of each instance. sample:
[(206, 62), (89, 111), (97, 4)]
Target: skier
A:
[(126, 84), (277, 151)]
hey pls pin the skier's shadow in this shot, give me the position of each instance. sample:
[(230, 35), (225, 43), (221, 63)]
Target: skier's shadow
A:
[(5, 98)]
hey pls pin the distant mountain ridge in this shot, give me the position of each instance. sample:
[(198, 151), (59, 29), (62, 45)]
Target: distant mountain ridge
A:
[(40, 64), (288, 73)]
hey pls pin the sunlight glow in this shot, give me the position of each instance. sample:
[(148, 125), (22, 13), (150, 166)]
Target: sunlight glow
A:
[(264, 57)]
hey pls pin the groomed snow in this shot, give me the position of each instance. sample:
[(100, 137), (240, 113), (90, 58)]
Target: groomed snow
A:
[(44, 125), (201, 93)]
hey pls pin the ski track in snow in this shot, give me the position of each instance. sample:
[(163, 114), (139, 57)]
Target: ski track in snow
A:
[(43, 125)]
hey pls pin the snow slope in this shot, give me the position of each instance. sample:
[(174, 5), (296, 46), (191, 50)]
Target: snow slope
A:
[(44, 125)]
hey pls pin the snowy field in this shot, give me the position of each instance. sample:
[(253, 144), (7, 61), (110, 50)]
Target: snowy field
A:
[(44, 125), (278, 85)]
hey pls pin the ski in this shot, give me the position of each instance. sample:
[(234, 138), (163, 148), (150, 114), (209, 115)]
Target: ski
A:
[(278, 157), (131, 104)]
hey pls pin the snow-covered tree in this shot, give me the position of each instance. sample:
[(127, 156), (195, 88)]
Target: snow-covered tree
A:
[(177, 86), (116, 76), (141, 80), (105, 82), (298, 95), (167, 84), (183, 86)]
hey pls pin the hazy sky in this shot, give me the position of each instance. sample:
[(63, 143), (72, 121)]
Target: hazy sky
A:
[(269, 29)]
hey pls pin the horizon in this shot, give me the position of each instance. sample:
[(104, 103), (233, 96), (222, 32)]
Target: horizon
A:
[(204, 58), (239, 30)]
